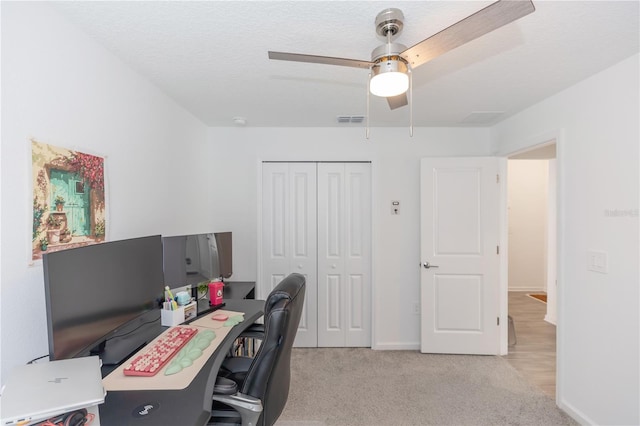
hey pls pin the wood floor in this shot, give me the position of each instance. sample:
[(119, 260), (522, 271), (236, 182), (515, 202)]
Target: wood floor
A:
[(534, 353)]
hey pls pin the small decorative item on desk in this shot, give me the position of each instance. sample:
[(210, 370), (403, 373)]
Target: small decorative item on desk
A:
[(190, 311), (169, 318), (171, 314), (183, 298), (216, 291)]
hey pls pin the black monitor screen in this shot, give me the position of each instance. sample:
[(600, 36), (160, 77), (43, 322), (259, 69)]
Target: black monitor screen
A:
[(93, 290)]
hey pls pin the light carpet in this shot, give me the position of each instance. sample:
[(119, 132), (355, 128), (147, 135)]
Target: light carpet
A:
[(358, 386)]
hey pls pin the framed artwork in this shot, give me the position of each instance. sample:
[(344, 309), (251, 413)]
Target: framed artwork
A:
[(68, 199)]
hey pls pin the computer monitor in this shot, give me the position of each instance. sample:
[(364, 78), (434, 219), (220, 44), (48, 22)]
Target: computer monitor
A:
[(93, 292), (193, 259)]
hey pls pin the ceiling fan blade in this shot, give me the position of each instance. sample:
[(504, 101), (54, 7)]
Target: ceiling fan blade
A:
[(328, 60), (480, 23), (397, 101)]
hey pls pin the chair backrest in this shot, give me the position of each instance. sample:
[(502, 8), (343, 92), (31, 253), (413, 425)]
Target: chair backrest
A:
[(269, 376)]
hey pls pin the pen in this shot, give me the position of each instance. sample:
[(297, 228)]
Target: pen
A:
[(169, 292)]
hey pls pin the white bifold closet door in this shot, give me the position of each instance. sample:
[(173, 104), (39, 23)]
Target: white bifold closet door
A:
[(344, 254), (316, 220), (289, 236)]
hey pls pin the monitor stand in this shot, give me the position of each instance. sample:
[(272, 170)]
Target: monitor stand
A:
[(120, 346)]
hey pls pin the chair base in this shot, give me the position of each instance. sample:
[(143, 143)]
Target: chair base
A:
[(247, 407)]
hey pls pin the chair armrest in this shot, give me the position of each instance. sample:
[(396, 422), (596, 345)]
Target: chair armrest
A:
[(254, 331), (235, 365)]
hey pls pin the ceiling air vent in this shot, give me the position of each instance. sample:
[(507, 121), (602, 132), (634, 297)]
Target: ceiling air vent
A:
[(482, 117), (350, 118)]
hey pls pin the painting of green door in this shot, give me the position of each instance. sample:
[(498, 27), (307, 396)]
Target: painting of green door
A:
[(69, 187), (69, 205)]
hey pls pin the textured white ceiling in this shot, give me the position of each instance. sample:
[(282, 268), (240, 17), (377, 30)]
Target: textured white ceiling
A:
[(211, 56)]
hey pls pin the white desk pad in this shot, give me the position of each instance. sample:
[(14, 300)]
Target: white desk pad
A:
[(117, 381)]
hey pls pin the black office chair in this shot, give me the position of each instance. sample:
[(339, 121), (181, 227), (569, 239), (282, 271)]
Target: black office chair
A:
[(253, 391)]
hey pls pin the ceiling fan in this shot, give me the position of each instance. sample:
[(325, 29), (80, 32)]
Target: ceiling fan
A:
[(391, 63)]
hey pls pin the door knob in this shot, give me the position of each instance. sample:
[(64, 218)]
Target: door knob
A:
[(427, 265)]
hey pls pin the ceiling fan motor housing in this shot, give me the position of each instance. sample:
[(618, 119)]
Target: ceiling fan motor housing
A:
[(389, 64), (386, 59), (387, 50), (389, 22)]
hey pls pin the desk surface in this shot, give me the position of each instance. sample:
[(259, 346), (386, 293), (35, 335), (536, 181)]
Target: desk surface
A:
[(231, 290), (189, 406), (239, 290)]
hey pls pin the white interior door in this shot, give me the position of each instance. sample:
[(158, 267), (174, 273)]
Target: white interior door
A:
[(289, 236), (459, 255), (344, 254)]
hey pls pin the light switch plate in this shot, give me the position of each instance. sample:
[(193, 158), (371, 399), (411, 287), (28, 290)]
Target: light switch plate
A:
[(597, 261)]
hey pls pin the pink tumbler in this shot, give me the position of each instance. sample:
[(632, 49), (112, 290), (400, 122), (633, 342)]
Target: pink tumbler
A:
[(215, 292)]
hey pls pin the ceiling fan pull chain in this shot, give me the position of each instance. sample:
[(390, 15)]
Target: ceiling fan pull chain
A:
[(366, 131), (410, 101)]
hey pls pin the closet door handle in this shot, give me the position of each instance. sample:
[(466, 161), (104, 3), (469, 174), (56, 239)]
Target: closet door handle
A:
[(427, 265)]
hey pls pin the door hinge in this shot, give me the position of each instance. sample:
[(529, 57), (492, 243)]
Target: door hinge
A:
[(497, 178), (498, 323), (497, 249)]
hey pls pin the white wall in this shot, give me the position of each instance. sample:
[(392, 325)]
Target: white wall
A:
[(527, 204), (552, 245), (237, 153), (60, 87), (596, 125)]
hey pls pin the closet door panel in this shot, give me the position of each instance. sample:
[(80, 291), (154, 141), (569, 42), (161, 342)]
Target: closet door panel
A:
[(357, 264), (331, 250), (304, 246), (275, 229), (289, 235), (344, 251)]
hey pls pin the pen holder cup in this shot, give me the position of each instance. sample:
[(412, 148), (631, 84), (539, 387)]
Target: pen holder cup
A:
[(170, 318)]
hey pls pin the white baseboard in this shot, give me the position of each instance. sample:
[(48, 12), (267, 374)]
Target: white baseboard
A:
[(576, 415), (527, 289), (398, 346), (550, 319)]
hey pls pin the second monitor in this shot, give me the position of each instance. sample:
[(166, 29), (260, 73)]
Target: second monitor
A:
[(192, 259)]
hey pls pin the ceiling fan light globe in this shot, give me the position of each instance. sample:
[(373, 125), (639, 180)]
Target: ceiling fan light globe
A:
[(388, 84)]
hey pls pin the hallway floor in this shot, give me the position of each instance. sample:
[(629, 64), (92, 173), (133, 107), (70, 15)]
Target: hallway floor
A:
[(534, 354)]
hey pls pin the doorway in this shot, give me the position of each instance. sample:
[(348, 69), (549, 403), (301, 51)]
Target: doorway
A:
[(532, 241), (532, 223)]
